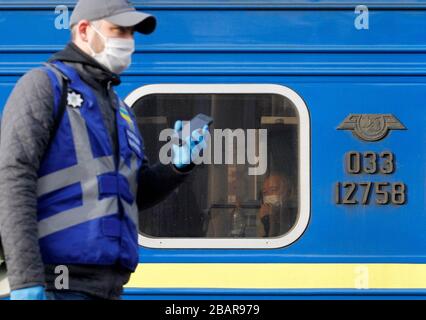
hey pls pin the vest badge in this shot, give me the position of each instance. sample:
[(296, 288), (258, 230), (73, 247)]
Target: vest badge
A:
[(74, 100)]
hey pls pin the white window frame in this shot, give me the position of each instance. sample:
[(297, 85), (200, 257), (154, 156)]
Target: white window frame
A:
[(304, 166)]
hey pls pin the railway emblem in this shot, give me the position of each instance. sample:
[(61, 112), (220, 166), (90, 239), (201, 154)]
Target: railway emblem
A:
[(371, 127)]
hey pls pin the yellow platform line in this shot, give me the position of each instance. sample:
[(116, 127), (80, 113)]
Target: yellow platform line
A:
[(279, 276)]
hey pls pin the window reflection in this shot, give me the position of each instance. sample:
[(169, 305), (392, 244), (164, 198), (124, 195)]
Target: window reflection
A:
[(223, 200)]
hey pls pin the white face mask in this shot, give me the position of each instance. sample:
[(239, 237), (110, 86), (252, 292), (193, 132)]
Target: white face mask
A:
[(117, 55), (273, 200)]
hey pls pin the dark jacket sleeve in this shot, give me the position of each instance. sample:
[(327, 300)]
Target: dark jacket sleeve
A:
[(158, 181), (25, 133)]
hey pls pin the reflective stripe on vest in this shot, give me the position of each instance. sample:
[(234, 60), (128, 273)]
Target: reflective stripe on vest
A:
[(131, 173)]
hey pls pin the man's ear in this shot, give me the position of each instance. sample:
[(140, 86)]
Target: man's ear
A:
[(82, 30)]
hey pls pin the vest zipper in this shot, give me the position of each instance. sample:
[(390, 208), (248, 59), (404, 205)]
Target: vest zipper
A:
[(113, 100)]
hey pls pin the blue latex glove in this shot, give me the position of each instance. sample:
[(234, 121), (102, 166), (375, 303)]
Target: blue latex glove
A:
[(31, 293), (191, 148)]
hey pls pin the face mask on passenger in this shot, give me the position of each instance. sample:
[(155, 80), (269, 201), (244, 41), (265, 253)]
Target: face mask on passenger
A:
[(273, 200), (117, 54)]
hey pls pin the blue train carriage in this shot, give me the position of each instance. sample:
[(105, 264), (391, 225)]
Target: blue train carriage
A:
[(319, 109)]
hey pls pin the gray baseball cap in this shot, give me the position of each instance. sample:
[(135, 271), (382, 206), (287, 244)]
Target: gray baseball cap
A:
[(119, 12)]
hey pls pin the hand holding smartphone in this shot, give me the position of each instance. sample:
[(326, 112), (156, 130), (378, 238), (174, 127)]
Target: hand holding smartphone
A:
[(196, 123)]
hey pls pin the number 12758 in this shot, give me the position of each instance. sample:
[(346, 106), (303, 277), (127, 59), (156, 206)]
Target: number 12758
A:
[(363, 192)]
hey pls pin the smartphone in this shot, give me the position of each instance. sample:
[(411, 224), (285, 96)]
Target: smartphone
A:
[(198, 122)]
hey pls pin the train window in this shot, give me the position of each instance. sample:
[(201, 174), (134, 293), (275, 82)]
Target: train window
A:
[(253, 189)]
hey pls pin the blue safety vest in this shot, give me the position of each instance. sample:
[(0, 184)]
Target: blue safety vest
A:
[(87, 211)]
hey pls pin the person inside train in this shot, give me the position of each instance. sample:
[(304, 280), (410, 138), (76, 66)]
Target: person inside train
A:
[(276, 216)]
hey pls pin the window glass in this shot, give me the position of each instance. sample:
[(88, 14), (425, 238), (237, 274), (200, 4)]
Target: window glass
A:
[(222, 199)]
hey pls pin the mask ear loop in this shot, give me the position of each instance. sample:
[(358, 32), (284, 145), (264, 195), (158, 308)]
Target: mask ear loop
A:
[(93, 53)]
